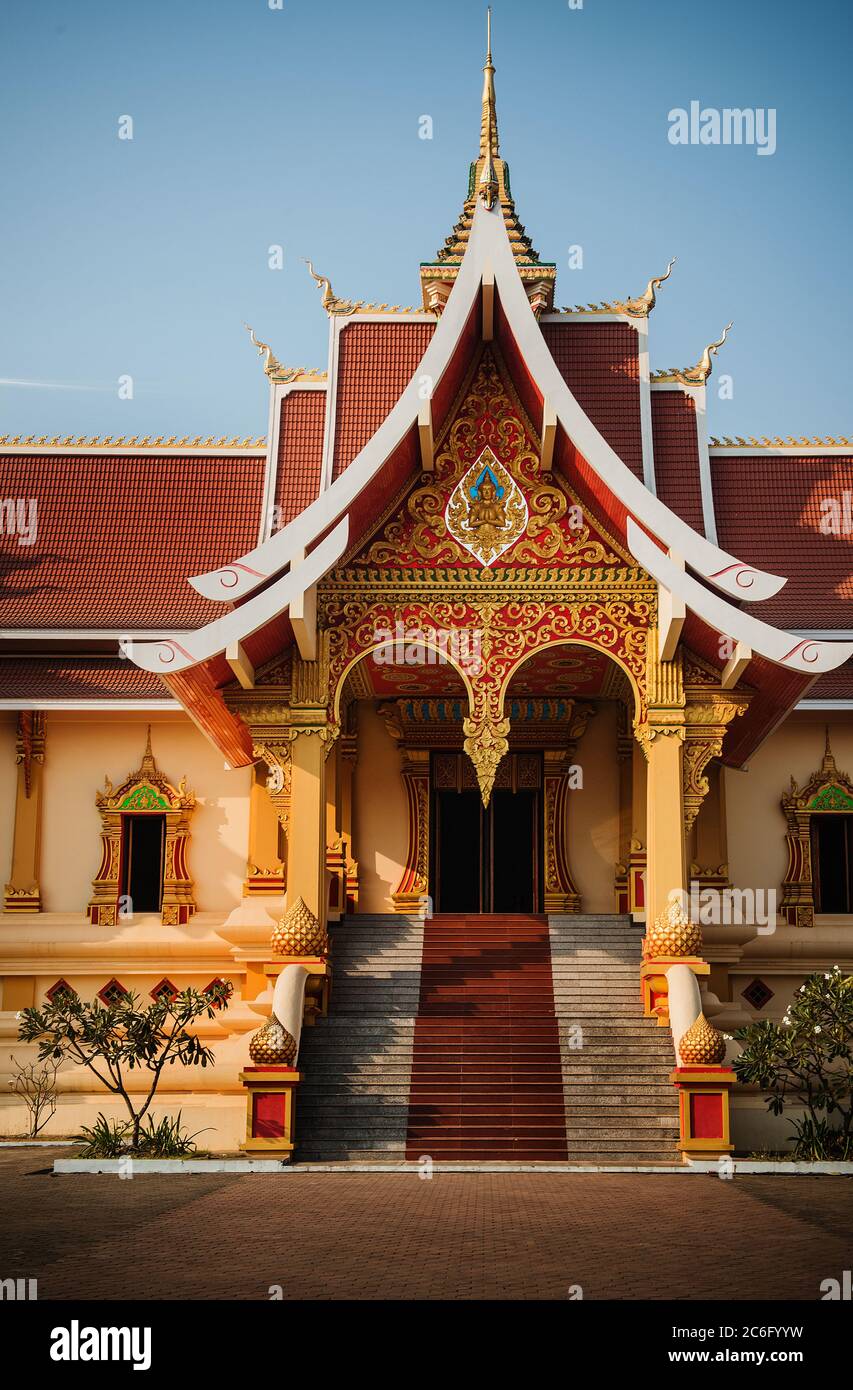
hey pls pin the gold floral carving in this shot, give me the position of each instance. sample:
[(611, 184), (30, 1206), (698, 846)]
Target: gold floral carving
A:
[(432, 529), (706, 720), (273, 1046), (486, 743), (702, 1045), (673, 934), (299, 933)]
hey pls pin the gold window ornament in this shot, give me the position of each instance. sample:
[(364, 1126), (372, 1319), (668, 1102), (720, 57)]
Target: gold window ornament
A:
[(128, 815)]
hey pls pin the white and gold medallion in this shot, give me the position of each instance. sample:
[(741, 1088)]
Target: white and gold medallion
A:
[(486, 512)]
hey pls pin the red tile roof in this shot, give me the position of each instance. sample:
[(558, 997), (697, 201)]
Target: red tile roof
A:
[(117, 536), (300, 453), (676, 450), (600, 365), (77, 678), (768, 509), (834, 685), (376, 361)]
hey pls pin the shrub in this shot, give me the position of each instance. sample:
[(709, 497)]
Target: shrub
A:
[(807, 1060), (111, 1038)]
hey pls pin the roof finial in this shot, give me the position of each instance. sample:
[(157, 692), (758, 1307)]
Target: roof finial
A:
[(489, 148), (271, 362), (698, 375), (148, 764), (828, 764)]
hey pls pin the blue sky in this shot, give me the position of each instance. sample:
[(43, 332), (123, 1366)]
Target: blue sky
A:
[(299, 127)]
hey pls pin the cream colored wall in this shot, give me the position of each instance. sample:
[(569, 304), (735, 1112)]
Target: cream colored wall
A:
[(756, 825), (380, 813), (594, 814), (8, 787), (80, 750)]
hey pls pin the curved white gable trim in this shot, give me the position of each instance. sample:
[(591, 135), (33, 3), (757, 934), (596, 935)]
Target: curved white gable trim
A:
[(488, 242), (796, 653), (169, 654), (251, 569)]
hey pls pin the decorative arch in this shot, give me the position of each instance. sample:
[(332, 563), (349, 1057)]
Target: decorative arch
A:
[(144, 792), (504, 631), (827, 791)]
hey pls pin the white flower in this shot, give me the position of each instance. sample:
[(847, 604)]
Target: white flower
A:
[(826, 975), (817, 1029), (802, 989), (18, 1016)]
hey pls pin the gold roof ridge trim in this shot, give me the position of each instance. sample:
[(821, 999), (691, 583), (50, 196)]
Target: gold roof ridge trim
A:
[(777, 442), (335, 305), (275, 371), (698, 375), (638, 308), (133, 442)]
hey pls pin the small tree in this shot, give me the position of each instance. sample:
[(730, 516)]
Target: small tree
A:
[(114, 1038), (35, 1083), (807, 1060)]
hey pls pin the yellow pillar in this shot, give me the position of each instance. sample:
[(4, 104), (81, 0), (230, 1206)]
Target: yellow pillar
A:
[(624, 757), (22, 893), (637, 855), (346, 773), (265, 870), (710, 867), (302, 930), (666, 869)]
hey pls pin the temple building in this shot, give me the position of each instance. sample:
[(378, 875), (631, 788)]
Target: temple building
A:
[(484, 722)]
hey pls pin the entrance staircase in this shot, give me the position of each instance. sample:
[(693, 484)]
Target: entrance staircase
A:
[(458, 1038), (621, 1106), (486, 1072)]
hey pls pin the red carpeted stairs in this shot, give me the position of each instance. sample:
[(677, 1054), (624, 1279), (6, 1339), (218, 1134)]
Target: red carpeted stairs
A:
[(487, 1079)]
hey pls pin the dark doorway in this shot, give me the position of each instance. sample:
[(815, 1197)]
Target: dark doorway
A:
[(458, 850), (485, 859), (512, 821), (832, 863), (144, 840)]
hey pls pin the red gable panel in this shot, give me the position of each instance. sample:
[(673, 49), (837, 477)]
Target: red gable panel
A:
[(600, 365), (376, 361), (676, 448), (768, 509), (117, 536), (300, 453)]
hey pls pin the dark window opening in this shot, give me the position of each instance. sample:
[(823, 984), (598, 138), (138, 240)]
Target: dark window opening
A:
[(832, 863), (143, 846)]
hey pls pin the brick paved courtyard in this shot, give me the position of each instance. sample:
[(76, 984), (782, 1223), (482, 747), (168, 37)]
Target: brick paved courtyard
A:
[(458, 1236)]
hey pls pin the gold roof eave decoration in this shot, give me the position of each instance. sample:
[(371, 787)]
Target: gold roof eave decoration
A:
[(698, 375), (638, 308), (279, 375), (804, 442), (344, 307), (87, 442)]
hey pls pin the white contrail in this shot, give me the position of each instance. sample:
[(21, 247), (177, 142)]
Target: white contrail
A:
[(51, 385)]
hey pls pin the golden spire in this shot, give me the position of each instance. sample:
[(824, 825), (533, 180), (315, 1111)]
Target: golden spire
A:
[(489, 147), (148, 764), (488, 180), (828, 765)]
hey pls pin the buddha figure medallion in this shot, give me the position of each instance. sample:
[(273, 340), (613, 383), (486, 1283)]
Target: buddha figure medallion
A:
[(486, 512)]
